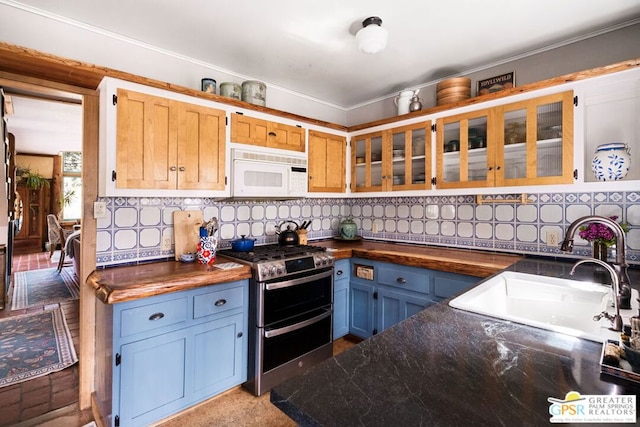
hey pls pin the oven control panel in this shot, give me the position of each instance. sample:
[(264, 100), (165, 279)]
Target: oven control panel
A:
[(281, 268)]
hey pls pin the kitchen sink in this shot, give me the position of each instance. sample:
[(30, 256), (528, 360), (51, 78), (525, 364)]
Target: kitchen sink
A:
[(555, 304)]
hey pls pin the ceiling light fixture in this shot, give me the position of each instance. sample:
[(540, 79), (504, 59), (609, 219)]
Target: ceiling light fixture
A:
[(372, 38)]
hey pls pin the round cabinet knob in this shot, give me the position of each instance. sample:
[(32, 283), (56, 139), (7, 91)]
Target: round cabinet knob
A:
[(401, 280), (173, 168), (339, 273), (182, 168)]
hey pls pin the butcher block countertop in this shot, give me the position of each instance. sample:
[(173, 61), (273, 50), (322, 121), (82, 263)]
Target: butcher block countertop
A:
[(461, 261), (119, 284)]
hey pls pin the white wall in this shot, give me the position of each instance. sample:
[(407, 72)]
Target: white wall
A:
[(599, 50), (69, 41)]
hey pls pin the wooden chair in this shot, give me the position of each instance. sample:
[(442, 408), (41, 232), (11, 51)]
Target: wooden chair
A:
[(57, 235)]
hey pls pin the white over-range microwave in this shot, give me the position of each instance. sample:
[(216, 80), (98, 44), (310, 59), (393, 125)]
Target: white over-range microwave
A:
[(265, 175)]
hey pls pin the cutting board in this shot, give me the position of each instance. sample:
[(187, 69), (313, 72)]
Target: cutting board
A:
[(186, 231)]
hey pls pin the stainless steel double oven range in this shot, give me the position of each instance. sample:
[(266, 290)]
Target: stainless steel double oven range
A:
[(291, 311)]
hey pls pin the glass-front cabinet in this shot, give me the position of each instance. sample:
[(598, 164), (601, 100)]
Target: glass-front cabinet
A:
[(524, 143), (369, 172), (392, 160)]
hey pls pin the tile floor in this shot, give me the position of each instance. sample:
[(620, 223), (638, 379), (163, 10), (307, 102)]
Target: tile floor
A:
[(52, 401)]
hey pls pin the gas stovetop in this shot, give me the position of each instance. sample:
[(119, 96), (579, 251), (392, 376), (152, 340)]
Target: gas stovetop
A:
[(276, 261)]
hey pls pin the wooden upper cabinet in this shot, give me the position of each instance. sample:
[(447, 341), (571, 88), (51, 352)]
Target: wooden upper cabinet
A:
[(264, 133), (327, 162), (201, 148), (168, 144), (396, 159), (523, 143), (146, 151)]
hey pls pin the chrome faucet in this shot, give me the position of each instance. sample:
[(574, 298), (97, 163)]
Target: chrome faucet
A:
[(623, 296), (616, 320)]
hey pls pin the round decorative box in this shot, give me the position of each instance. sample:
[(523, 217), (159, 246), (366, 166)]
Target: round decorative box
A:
[(231, 90), (254, 92), (611, 162)]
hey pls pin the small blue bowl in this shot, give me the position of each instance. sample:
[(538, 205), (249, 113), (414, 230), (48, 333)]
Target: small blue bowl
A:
[(188, 257)]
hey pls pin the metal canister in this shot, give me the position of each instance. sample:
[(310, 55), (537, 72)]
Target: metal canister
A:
[(231, 90), (254, 92), (208, 85)]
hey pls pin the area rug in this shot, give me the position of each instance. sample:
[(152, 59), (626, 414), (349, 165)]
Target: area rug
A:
[(33, 345), (42, 287)]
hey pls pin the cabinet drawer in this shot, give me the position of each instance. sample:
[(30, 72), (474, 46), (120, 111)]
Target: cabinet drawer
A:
[(217, 302), (447, 285), (153, 316), (405, 278), (341, 269)]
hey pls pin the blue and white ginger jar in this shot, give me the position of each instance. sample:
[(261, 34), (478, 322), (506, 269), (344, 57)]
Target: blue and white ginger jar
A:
[(611, 162)]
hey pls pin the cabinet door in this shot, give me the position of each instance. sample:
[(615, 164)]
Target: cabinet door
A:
[(327, 162), (201, 147), (264, 133), (361, 309), (286, 137), (411, 156), (248, 130), (340, 308), (465, 150), (146, 147), (370, 163), (152, 378), (535, 141), (219, 361), (393, 306)]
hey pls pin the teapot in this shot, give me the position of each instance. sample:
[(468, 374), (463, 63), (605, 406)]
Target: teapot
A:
[(416, 104), (288, 237)]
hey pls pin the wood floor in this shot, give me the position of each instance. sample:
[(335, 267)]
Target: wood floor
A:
[(23, 404), (52, 401)]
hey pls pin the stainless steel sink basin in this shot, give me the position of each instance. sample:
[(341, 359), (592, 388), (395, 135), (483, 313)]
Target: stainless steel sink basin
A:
[(560, 305)]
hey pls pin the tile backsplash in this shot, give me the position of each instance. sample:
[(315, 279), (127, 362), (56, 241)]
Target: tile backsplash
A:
[(136, 227)]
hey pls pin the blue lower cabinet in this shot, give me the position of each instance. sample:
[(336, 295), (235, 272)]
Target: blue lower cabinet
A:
[(173, 351), (390, 293), (361, 309), (341, 298), (394, 306)]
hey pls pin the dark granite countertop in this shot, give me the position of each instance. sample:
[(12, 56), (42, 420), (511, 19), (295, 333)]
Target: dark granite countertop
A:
[(450, 367)]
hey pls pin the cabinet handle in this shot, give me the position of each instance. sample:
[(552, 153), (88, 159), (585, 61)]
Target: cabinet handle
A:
[(220, 302), (173, 168), (497, 168), (272, 134), (239, 335), (156, 316), (490, 168), (182, 169), (339, 273), (401, 280)]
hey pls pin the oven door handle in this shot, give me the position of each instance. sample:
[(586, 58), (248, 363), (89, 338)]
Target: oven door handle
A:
[(275, 332), (294, 282)]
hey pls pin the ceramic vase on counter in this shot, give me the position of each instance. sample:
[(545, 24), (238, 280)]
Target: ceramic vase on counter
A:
[(207, 250), (611, 162), (348, 229)]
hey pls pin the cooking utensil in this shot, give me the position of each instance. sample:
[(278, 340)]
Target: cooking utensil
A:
[(243, 244), (288, 237)]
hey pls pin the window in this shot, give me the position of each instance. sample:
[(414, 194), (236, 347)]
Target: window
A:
[(71, 185)]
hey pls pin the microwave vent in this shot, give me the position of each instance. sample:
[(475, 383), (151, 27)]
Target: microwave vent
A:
[(266, 157)]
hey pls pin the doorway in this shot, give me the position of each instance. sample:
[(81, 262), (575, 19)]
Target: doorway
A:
[(59, 389)]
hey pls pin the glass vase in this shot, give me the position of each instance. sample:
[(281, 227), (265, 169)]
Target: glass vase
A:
[(600, 251)]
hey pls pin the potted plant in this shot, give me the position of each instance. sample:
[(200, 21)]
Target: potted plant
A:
[(33, 180)]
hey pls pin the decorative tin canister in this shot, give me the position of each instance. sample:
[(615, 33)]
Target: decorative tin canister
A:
[(209, 85), (254, 92), (231, 90), (611, 162)]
